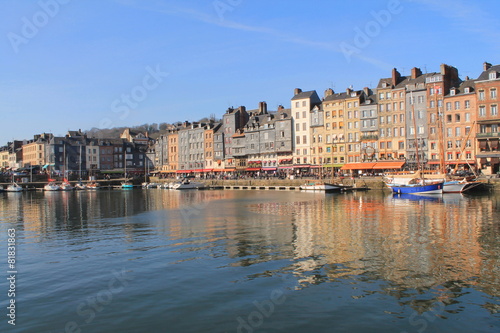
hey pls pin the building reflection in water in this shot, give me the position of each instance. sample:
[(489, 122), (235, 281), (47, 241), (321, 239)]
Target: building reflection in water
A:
[(443, 244)]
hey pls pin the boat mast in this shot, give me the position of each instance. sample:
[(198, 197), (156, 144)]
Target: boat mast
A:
[(415, 130)]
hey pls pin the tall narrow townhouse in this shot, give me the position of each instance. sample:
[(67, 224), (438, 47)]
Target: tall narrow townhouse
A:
[(487, 89), (173, 151), (210, 129), (233, 122), (459, 122), (392, 117), (353, 131), (369, 126), (335, 131), (284, 140), (317, 135), (301, 105), (438, 85), (183, 145), (417, 137)]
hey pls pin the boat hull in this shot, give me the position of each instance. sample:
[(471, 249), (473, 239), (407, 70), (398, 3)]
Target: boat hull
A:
[(321, 187), (436, 188)]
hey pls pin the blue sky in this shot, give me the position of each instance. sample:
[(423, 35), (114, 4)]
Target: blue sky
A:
[(73, 64)]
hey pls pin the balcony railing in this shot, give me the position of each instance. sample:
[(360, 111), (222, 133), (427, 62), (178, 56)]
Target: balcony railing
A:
[(488, 135), (369, 137)]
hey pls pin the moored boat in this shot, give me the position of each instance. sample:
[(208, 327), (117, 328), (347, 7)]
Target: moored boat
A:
[(14, 187), (51, 186), (186, 184), (422, 188), (323, 187)]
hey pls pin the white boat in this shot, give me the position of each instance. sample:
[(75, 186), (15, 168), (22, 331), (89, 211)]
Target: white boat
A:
[(66, 186), (51, 186), (186, 185), (323, 187), (150, 185), (80, 186), (14, 188), (93, 186)]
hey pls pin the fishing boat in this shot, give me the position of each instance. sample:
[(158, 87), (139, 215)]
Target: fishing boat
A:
[(127, 184), (323, 187), (419, 188)]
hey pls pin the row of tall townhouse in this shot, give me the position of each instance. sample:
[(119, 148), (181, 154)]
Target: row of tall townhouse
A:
[(448, 121), (76, 153), (435, 118)]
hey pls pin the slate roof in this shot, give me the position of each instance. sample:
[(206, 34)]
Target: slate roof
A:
[(485, 75)]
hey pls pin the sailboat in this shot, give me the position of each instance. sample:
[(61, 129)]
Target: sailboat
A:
[(417, 184), (51, 186), (14, 187)]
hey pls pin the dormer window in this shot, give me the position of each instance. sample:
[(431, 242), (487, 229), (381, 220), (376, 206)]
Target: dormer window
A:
[(493, 75), (384, 85), (467, 90), (452, 92)]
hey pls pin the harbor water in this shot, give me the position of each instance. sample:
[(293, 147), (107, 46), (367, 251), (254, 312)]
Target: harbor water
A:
[(250, 261)]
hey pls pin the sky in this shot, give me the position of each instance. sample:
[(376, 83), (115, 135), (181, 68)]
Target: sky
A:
[(79, 64)]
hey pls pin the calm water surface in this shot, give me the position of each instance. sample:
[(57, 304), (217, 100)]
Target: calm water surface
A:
[(251, 261)]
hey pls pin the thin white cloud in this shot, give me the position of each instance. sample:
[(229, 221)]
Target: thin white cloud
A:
[(213, 19)]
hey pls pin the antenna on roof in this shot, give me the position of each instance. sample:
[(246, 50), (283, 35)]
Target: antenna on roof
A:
[(425, 69)]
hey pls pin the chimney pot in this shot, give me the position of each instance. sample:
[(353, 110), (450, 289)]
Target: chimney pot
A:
[(297, 91), (486, 66)]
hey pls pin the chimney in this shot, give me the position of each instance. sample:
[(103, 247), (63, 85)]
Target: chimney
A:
[(348, 91), (367, 91), (467, 78), (415, 72), (329, 92), (262, 107), (395, 77), (297, 91), (281, 108), (486, 66)]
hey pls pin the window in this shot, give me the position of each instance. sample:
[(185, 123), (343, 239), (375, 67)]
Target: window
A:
[(467, 130), (457, 105), (494, 110), (467, 117), (389, 145), (482, 111), (401, 106), (401, 118), (298, 140), (448, 132), (395, 118), (297, 115), (388, 107), (382, 145), (493, 75), (412, 130), (481, 95), (381, 107), (420, 129), (381, 96), (388, 119), (382, 120), (449, 144), (440, 103), (327, 114), (304, 126), (382, 132), (388, 95), (493, 93), (467, 104), (458, 143), (448, 118), (457, 131), (452, 92), (349, 105), (304, 114), (448, 106), (457, 118), (304, 139), (432, 104), (304, 103)]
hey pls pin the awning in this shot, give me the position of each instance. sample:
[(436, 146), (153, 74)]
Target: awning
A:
[(252, 169), (269, 169), (302, 166), (388, 165), (358, 166), (336, 165), (218, 170), (184, 171), (493, 144), (483, 144)]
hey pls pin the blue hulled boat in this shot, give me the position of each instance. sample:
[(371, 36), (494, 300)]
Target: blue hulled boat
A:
[(433, 188)]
